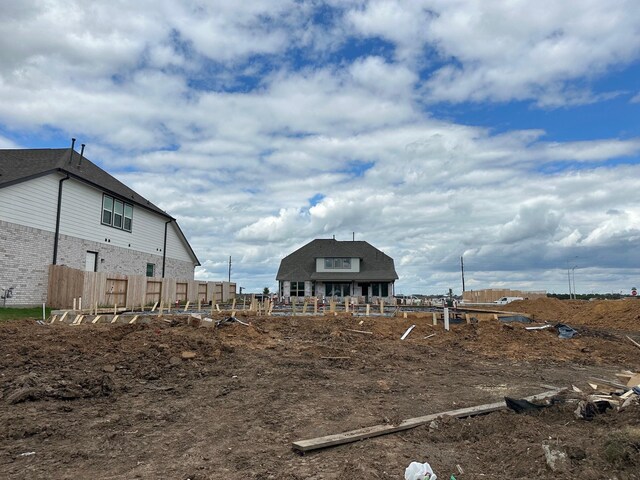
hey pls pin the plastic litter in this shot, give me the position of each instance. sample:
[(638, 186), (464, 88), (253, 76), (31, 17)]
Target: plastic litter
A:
[(419, 471), (565, 331)]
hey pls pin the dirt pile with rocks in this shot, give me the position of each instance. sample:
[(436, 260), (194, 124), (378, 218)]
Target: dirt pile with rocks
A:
[(169, 400)]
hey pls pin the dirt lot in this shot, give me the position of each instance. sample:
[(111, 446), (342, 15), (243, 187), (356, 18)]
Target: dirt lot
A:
[(106, 402)]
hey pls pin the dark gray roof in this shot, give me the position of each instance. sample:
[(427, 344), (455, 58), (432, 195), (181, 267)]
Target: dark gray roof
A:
[(19, 165), (301, 264)]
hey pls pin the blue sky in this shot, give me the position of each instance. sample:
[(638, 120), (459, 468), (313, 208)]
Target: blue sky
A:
[(506, 132)]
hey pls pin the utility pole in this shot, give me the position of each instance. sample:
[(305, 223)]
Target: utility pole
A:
[(573, 274), (462, 269), (569, 277), (229, 268)]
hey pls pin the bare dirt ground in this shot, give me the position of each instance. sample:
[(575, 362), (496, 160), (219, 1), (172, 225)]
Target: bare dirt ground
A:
[(119, 401)]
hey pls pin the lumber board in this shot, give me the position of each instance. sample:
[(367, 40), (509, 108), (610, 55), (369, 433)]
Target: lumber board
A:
[(504, 313), (377, 430), (609, 383), (358, 331), (633, 341), (633, 381)]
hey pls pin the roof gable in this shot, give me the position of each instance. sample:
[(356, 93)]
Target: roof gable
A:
[(24, 164), (301, 265), (20, 165)]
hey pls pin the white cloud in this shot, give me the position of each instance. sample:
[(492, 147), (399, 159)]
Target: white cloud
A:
[(501, 51), (156, 90)]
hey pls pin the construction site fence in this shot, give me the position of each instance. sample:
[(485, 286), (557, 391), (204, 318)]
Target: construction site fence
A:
[(492, 294), (69, 287)]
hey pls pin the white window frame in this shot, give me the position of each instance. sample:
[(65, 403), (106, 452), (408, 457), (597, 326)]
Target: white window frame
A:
[(337, 263), (125, 213)]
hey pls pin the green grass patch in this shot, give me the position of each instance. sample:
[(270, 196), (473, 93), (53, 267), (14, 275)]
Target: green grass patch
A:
[(8, 313), (622, 448)]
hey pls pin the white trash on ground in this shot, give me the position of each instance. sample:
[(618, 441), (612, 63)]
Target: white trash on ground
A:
[(419, 471)]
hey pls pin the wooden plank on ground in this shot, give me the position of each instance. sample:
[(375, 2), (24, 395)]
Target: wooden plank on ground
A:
[(377, 430), (633, 341), (358, 331), (633, 381), (602, 381)]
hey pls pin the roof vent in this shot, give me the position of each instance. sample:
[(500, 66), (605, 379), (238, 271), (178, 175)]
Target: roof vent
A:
[(81, 154), (73, 144)]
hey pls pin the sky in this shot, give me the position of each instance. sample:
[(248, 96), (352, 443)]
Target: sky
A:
[(506, 133)]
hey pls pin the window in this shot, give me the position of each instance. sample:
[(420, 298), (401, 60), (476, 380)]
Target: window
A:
[(107, 210), (337, 263), (117, 213), (296, 289), (128, 216), (380, 289), (151, 269), (337, 289)]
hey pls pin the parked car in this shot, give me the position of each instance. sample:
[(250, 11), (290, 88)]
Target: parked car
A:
[(505, 300)]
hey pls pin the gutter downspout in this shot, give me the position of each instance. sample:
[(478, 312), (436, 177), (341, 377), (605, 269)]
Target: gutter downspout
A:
[(164, 246), (55, 240)]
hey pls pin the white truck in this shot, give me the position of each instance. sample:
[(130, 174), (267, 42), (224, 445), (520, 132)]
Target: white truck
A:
[(505, 300)]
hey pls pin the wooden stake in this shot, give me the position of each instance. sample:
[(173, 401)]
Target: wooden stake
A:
[(381, 306), (133, 320), (233, 304), (467, 318), (435, 318), (95, 320), (446, 319), (80, 303), (115, 318), (64, 315), (74, 304), (315, 305), (153, 309), (367, 310), (199, 304), (115, 309), (186, 306)]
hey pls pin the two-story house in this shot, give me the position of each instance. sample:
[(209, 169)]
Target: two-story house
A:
[(57, 207), (336, 269)]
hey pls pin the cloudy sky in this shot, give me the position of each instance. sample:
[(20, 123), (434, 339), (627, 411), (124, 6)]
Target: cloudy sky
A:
[(507, 132)]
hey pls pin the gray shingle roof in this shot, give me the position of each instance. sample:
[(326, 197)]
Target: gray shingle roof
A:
[(19, 165), (301, 264)]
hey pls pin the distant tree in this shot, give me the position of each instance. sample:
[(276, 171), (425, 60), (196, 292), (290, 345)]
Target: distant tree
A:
[(265, 291)]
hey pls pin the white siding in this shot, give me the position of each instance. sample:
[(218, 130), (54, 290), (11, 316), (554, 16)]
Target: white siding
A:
[(355, 266), (175, 246), (32, 203), (81, 214)]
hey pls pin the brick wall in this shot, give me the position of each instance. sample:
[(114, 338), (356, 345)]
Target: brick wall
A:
[(26, 253)]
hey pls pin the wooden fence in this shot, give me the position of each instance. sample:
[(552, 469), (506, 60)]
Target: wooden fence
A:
[(492, 294), (130, 291)]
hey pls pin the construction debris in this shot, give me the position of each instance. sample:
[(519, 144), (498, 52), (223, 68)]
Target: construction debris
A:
[(406, 334), (384, 429)]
